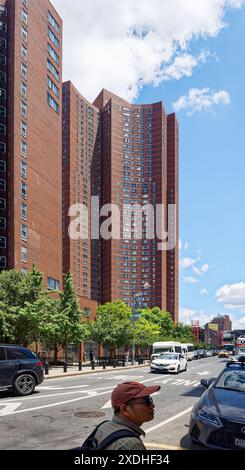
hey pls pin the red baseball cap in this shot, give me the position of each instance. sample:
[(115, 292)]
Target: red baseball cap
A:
[(124, 392)]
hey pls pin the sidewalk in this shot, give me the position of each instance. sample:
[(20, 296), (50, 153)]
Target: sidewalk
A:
[(58, 372)]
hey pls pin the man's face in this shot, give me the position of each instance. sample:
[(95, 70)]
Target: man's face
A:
[(140, 410)]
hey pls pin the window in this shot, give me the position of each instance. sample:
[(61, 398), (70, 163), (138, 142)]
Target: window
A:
[(23, 72), (2, 76), (2, 111), (23, 90), (24, 34), (53, 22), (24, 232), (2, 129), (23, 148), (23, 190), (2, 242), (53, 87), (23, 211), (2, 94), (23, 169), (2, 166), (53, 38), (23, 128), (53, 284), (24, 52), (2, 203), (53, 103), (2, 222), (23, 108), (24, 271), (3, 43), (23, 254), (2, 185), (3, 10), (2, 261), (3, 59), (3, 27), (53, 54), (53, 70), (24, 2), (2, 147), (24, 17)]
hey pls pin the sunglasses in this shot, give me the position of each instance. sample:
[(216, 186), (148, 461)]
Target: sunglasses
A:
[(147, 401)]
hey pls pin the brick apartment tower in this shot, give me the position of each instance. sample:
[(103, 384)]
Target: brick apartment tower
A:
[(81, 179), (133, 159), (31, 138)]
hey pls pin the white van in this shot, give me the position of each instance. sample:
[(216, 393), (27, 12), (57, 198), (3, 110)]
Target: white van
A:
[(165, 346), (190, 351)]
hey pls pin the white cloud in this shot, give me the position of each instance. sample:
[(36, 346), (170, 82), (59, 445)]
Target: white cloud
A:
[(180, 244), (202, 270), (126, 44), (190, 280), (204, 291), (186, 245), (187, 262), (187, 315), (201, 99), (232, 295)]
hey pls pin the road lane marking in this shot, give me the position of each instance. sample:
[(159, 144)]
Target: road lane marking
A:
[(44, 387), (169, 420), (53, 404), (204, 372), (8, 408)]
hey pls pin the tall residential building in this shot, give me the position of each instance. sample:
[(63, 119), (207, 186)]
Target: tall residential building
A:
[(31, 138), (131, 152), (223, 321), (81, 179)]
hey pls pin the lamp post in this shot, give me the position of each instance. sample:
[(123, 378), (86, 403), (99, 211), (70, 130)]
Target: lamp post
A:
[(135, 295)]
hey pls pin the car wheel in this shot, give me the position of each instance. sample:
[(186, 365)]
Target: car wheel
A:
[(185, 368), (178, 370), (24, 384)]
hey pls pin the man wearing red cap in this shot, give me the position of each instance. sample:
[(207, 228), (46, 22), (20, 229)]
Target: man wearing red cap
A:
[(133, 406)]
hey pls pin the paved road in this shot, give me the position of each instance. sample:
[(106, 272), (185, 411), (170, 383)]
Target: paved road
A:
[(64, 411)]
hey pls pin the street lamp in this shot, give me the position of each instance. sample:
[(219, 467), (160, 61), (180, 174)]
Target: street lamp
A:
[(136, 295)]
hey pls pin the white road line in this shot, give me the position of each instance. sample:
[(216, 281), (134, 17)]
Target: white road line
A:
[(8, 408), (53, 404), (44, 387), (169, 420)]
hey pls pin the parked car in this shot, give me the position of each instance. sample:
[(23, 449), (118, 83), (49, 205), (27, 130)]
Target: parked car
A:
[(236, 358), (169, 362), (20, 370), (223, 353), (218, 418)]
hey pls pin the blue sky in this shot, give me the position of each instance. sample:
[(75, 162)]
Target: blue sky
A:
[(159, 51)]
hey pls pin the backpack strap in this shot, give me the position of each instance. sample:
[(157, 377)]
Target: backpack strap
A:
[(115, 436)]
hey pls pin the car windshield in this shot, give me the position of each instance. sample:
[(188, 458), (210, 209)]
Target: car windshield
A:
[(169, 356), (232, 379)]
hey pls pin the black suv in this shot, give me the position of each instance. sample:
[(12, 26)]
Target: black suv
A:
[(20, 370)]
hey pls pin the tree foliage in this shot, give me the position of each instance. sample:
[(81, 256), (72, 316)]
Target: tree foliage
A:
[(113, 325)]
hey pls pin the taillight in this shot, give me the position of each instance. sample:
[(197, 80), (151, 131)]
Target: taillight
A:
[(39, 363)]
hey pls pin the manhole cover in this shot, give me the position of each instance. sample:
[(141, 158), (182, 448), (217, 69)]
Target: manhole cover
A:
[(89, 414)]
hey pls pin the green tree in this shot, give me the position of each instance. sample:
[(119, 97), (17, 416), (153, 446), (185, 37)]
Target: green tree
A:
[(183, 333), (146, 333), (66, 325), (113, 325), (162, 319)]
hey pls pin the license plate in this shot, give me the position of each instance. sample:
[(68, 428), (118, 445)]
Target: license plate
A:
[(240, 443)]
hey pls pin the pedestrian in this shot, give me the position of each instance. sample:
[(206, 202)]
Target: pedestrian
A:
[(132, 406), (84, 356), (91, 356)]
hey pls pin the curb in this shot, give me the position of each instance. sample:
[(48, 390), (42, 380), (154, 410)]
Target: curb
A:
[(79, 373)]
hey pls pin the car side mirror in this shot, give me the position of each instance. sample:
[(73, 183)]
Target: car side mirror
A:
[(205, 383)]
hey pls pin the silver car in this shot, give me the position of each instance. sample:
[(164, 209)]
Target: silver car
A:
[(218, 418)]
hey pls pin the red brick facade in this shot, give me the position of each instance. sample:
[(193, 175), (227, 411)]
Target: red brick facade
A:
[(33, 154)]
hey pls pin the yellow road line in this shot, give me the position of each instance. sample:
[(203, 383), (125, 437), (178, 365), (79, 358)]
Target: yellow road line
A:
[(162, 446)]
